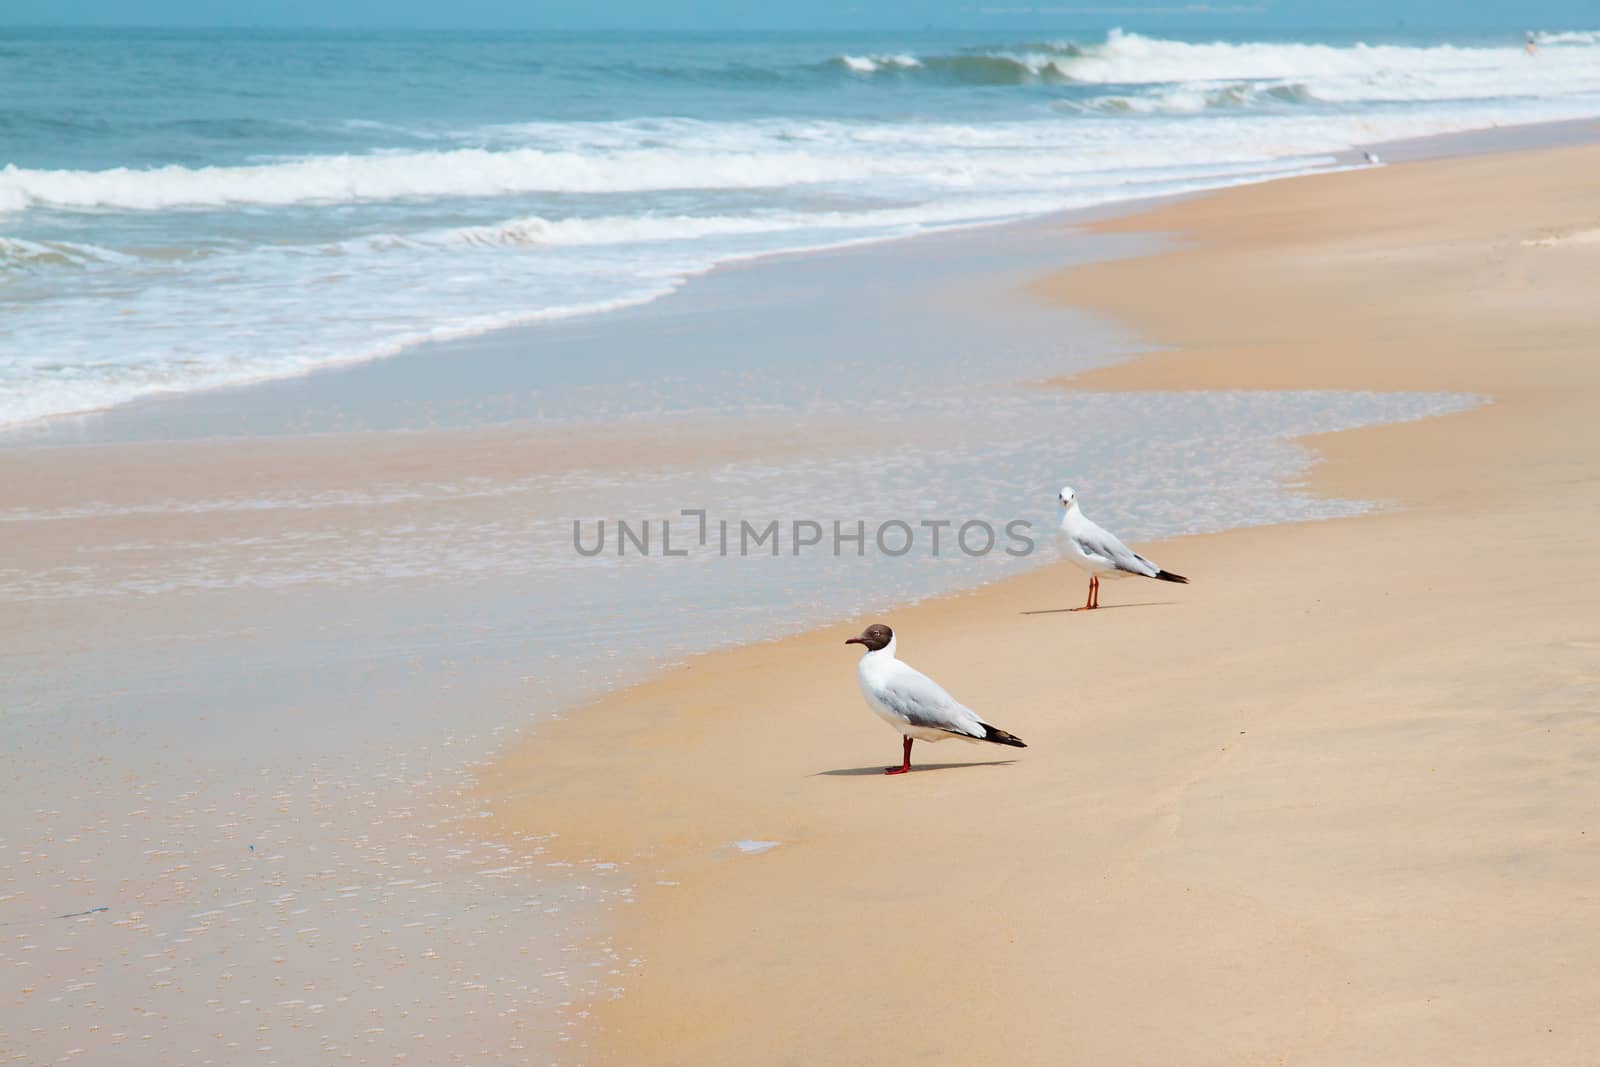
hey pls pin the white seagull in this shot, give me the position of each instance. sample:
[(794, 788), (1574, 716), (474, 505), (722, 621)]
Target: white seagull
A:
[(916, 706), (1099, 552)]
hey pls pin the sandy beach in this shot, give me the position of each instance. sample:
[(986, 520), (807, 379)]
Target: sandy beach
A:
[(241, 622), (1330, 804)]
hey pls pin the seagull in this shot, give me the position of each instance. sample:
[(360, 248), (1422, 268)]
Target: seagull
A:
[(1099, 552), (915, 705)]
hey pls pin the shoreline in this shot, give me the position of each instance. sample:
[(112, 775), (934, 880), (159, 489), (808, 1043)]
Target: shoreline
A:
[(364, 615), (397, 640), (693, 976), (357, 618), (148, 416)]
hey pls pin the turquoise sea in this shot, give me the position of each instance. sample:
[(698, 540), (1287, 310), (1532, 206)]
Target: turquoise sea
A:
[(186, 209)]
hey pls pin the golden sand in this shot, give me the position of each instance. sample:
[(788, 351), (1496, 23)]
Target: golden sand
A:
[(1336, 802)]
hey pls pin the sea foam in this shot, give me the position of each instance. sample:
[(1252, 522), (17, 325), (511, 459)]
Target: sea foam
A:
[(213, 251)]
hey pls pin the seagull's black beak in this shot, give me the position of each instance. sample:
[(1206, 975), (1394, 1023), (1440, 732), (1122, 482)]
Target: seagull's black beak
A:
[(855, 640)]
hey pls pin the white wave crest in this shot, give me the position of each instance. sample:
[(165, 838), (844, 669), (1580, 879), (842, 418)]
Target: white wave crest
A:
[(613, 230), (15, 252), (1568, 37), (1354, 73), (872, 64), (1189, 100), (534, 231), (416, 175), (1131, 59)]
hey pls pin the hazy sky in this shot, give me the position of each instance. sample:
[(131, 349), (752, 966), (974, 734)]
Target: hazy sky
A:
[(819, 14)]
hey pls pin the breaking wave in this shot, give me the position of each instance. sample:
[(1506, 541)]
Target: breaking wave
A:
[(409, 175), (1565, 37), (19, 254), (1129, 59)]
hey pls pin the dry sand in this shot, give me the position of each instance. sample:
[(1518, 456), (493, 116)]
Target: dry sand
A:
[(1336, 802)]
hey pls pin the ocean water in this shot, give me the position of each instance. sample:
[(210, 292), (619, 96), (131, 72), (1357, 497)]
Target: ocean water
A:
[(182, 210)]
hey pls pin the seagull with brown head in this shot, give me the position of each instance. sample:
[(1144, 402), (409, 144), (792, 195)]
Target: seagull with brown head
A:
[(914, 705)]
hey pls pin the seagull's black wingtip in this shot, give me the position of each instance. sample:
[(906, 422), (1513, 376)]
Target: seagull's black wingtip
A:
[(1168, 576), (1000, 737)]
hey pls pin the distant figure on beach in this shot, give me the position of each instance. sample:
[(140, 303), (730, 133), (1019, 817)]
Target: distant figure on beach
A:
[(914, 705), (1372, 158), (1532, 47), (1099, 552)]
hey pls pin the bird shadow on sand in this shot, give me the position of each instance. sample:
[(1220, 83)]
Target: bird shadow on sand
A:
[(916, 768), (1102, 607)]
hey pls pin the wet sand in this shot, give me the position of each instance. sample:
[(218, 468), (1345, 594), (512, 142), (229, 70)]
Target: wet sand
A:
[(1332, 803), (249, 669)]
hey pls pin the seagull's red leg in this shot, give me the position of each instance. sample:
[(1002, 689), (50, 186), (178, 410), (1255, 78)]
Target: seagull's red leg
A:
[(1088, 601), (905, 761), (1094, 591)]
